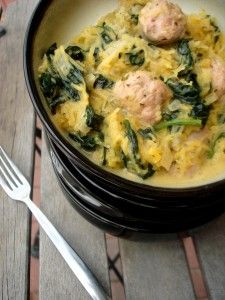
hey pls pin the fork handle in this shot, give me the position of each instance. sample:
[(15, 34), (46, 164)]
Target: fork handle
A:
[(75, 263)]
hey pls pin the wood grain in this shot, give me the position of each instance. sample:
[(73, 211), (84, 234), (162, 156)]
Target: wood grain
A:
[(56, 279), (16, 136), (155, 269), (210, 242)]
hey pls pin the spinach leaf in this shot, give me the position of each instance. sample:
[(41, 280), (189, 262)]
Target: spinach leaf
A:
[(186, 56), (135, 19), (93, 120), (96, 54), (170, 115), (70, 72), (56, 90), (200, 111), (137, 168), (214, 25), (216, 28), (57, 83), (51, 50), (71, 92), (87, 142), (191, 77), (53, 103), (102, 82), (218, 137), (187, 93), (49, 85), (145, 173), (132, 137), (124, 158), (140, 170), (179, 122), (75, 53), (75, 75), (147, 133), (133, 163), (108, 35), (136, 58)]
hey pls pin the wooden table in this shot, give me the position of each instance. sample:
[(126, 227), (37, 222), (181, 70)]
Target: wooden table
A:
[(154, 269)]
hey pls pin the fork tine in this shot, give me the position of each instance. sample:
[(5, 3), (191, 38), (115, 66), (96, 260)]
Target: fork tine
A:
[(6, 186), (10, 173), (9, 181), (17, 174)]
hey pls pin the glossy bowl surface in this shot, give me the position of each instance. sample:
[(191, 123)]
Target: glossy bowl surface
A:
[(58, 21), (118, 211)]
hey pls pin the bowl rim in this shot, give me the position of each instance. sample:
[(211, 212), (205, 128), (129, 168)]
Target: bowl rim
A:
[(159, 204), (70, 150)]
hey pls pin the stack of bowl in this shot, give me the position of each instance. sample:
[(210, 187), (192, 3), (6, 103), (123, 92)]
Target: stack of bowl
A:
[(117, 205), (120, 206)]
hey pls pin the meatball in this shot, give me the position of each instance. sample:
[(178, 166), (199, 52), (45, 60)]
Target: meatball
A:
[(218, 77), (142, 96), (162, 22)]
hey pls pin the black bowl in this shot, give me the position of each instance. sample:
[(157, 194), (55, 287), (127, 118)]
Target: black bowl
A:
[(113, 211), (117, 199)]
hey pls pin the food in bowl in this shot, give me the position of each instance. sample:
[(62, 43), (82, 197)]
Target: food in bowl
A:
[(142, 93)]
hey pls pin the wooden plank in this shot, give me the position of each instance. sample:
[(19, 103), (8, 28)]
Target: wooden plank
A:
[(16, 136), (210, 242), (56, 280), (155, 269)]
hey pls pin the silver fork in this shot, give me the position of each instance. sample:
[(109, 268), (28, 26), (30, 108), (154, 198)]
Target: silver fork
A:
[(18, 188)]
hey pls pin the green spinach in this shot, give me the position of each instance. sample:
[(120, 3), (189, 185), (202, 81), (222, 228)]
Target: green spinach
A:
[(57, 83), (216, 28), (132, 137), (102, 82), (187, 93), (140, 170), (96, 54), (186, 56), (170, 115), (133, 163), (93, 120), (178, 122), (147, 133), (71, 92), (75, 53), (137, 168), (54, 102), (108, 35), (75, 75), (212, 147), (51, 50), (87, 142), (200, 111), (135, 19), (49, 85), (136, 58)]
